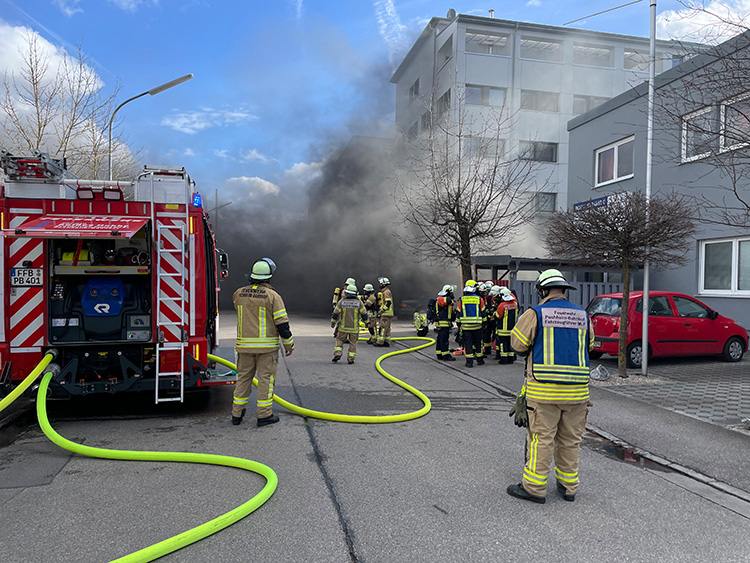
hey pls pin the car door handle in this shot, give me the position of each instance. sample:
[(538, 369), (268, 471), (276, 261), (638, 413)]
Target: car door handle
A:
[(688, 324)]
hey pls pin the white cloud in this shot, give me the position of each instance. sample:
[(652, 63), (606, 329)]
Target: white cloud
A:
[(298, 9), (132, 5), (391, 30), (255, 155), (189, 152), (193, 121), (303, 172), (244, 186), (69, 7), (534, 3), (714, 23), (223, 153)]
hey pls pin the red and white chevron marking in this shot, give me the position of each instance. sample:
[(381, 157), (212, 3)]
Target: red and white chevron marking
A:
[(26, 310), (169, 286)]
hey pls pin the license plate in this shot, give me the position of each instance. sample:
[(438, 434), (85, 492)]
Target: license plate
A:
[(597, 344), (26, 277)]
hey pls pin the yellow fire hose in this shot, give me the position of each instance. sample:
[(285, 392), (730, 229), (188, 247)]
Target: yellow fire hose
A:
[(211, 527)]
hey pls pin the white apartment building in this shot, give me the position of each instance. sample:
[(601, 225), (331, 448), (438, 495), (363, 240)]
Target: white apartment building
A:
[(539, 75)]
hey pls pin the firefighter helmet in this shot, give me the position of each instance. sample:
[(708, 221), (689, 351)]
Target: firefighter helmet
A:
[(350, 281), (552, 278), (263, 269), (368, 287), (495, 290), (384, 281), (351, 290), (470, 287), (447, 289), (506, 294)]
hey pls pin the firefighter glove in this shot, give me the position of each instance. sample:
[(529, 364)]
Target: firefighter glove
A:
[(519, 412)]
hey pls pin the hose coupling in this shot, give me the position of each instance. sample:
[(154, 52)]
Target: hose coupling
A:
[(52, 351)]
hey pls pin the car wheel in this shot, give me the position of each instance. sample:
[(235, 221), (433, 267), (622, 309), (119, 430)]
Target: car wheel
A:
[(595, 355), (733, 350), (634, 354)]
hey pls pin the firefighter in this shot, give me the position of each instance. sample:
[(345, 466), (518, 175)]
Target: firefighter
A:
[(371, 304), (488, 330), (556, 337), (347, 313), (261, 320), (337, 296), (506, 315), (386, 313), (444, 317), (470, 316)]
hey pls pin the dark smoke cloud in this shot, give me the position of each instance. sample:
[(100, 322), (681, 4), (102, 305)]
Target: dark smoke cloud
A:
[(340, 225)]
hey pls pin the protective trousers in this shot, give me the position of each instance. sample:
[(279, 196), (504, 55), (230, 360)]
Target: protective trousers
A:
[(343, 338), (504, 352), (488, 331), (384, 330), (473, 343), (442, 347), (555, 431), (247, 366)]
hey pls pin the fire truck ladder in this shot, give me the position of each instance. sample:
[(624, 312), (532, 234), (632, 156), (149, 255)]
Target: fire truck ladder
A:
[(175, 333)]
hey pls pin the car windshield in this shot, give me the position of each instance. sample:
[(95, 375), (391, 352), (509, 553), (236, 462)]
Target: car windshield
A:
[(609, 306)]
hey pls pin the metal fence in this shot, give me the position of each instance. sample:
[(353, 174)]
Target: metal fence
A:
[(586, 291)]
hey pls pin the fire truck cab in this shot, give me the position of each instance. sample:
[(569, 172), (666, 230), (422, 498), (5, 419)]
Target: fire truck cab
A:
[(122, 278)]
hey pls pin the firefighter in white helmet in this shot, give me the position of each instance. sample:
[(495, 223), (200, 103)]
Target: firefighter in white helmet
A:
[(371, 304), (347, 313), (506, 315), (444, 315), (470, 316), (386, 313), (261, 322), (556, 336)]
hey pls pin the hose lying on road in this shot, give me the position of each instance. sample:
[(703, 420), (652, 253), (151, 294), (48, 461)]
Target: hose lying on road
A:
[(212, 526), (368, 419)]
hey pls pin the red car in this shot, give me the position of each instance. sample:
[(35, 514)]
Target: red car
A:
[(678, 325)]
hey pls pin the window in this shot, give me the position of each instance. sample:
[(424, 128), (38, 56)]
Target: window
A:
[(689, 308), (484, 95), (541, 49), (484, 147), (414, 91), (443, 104), (657, 306), (545, 202), (426, 121), (540, 101), (582, 104), (539, 151), (445, 52), (725, 267), (735, 123), (593, 55), (615, 162), (413, 131), (698, 134), (483, 42)]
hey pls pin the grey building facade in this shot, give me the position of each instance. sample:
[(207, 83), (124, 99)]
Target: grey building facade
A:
[(700, 149), (540, 75)]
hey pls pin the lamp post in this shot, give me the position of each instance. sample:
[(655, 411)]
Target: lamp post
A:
[(152, 92)]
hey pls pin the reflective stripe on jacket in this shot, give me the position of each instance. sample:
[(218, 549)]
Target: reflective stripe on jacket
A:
[(259, 310), (470, 312), (507, 315), (444, 311), (387, 305), (352, 309)]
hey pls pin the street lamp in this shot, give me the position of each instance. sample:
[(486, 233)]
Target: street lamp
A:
[(152, 92)]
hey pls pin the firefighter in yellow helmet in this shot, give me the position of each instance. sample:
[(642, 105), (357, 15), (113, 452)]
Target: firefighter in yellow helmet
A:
[(556, 337), (386, 313), (470, 315), (347, 313), (261, 322)]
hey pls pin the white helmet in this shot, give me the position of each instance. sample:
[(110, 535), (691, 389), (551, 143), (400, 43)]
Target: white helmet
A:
[(350, 281), (384, 281), (263, 269), (368, 287), (507, 294), (552, 278), (351, 290), (495, 290)]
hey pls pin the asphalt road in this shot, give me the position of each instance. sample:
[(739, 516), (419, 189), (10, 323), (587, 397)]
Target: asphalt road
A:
[(427, 490)]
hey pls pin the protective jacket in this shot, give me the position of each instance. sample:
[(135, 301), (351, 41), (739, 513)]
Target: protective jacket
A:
[(557, 336), (348, 312), (506, 315), (386, 309), (261, 319), (470, 309), (444, 313)]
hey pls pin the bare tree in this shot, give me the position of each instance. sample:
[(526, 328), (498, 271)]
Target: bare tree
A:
[(55, 104), (624, 231), (462, 190)]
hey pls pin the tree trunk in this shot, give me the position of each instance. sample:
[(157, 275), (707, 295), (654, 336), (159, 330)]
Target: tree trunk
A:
[(622, 344)]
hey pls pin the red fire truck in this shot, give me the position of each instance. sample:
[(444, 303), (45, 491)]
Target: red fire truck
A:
[(122, 278)]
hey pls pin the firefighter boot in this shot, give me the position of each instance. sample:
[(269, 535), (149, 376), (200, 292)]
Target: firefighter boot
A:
[(237, 419), (480, 361), (564, 493), (336, 358), (519, 492), (273, 419), (449, 358), (469, 363), (503, 360)]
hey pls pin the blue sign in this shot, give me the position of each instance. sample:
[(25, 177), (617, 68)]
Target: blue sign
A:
[(103, 297), (197, 200)]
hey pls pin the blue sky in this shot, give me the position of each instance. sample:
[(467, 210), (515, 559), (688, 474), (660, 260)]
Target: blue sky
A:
[(277, 83)]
